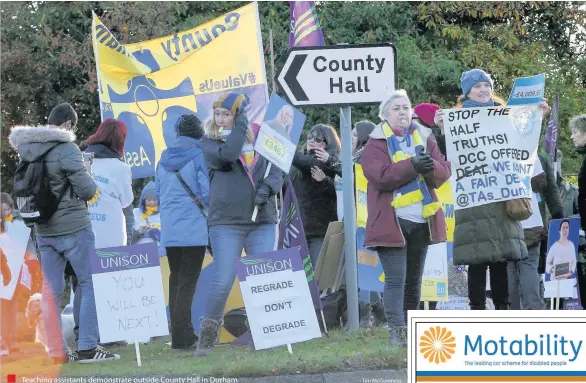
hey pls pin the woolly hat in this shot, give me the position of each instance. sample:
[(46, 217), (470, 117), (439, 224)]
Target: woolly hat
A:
[(231, 101), (190, 126), (473, 77), (426, 112)]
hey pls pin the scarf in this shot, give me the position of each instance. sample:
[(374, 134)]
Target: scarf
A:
[(149, 211), (416, 190), (468, 103), (9, 218)]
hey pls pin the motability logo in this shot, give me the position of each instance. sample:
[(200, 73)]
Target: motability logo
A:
[(437, 345)]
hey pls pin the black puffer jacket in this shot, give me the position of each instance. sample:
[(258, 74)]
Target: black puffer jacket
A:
[(317, 200)]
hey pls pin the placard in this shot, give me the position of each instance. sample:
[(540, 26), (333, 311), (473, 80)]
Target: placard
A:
[(13, 243), (527, 90), (128, 290), (492, 151), (279, 133), (562, 258), (277, 298), (434, 283)]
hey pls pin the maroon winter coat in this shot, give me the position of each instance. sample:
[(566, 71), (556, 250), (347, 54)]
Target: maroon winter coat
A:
[(382, 226)]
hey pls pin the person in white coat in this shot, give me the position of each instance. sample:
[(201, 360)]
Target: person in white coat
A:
[(147, 218), (114, 180)]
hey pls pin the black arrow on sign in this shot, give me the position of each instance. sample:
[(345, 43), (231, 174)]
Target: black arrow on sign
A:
[(291, 78)]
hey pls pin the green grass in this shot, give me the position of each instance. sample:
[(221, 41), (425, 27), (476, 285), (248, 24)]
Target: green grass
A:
[(342, 351)]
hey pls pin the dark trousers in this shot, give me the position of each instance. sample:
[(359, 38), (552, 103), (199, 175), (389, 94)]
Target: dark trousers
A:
[(403, 267), (185, 266), (582, 284), (499, 285)]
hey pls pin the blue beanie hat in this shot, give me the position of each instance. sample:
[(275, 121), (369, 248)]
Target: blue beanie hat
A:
[(231, 101), (473, 77)]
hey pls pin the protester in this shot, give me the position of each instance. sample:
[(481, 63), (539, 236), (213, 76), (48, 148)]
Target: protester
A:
[(568, 192), (578, 128), (312, 175), (114, 181), (404, 214), (424, 114), (147, 218), (360, 135), (183, 187), (237, 186), (524, 279), (67, 235), (485, 237)]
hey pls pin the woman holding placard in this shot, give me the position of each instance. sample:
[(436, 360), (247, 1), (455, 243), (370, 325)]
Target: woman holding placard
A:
[(237, 185), (404, 214), (485, 237), (561, 257)]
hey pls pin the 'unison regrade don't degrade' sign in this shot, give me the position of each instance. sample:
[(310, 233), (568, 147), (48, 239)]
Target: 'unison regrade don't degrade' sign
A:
[(492, 151)]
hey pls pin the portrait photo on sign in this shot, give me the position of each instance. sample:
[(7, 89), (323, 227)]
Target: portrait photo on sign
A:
[(284, 119), (562, 249)]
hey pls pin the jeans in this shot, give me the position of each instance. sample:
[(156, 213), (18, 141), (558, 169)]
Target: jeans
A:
[(185, 266), (227, 243), (403, 267), (498, 285), (524, 282), (314, 245), (55, 251)]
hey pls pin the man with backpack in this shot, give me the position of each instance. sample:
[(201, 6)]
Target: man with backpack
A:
[(52, 187)]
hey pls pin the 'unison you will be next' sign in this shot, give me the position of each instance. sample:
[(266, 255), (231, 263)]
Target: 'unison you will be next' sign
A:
[(493, 151)]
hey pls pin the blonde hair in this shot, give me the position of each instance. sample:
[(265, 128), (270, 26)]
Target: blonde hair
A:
[(213, 131), (579, 123), (384, 106)]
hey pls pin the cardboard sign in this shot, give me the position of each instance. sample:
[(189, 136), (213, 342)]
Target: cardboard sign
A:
[(277, 298), (280, 133), (492, 151), (562, 258), (128, 290), (13, 243)]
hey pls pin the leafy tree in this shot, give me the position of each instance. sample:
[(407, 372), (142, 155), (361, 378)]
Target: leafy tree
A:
[(47, 56)]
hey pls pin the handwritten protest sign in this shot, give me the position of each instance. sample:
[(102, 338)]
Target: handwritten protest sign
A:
[(277, 298), (280, 133), (527, 90), (13, 243), (129, 293), (492, 151)]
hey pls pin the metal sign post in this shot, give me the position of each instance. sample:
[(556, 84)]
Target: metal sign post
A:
[(345, 76)]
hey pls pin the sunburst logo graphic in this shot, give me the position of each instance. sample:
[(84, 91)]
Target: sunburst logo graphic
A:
[(95, 198), (437, 345)]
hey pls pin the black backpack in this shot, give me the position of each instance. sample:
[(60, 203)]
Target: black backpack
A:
[(34, 199)]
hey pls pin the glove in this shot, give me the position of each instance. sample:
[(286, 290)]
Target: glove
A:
[(262, 195), (422, 162)]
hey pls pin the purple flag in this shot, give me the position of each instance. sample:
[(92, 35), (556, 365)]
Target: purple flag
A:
[(550, 141), (305, 28), (292, 234)]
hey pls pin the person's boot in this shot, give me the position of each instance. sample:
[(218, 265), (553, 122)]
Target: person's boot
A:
[(398, 336), (208, 334), (479, 307), (501, 307)]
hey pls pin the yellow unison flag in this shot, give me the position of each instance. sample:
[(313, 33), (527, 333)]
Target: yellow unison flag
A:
[(148, 85)]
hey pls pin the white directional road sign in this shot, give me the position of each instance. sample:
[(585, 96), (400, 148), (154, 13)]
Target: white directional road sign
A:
[(340, 75)]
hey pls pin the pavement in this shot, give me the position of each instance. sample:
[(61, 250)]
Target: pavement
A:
[(376, 376)]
